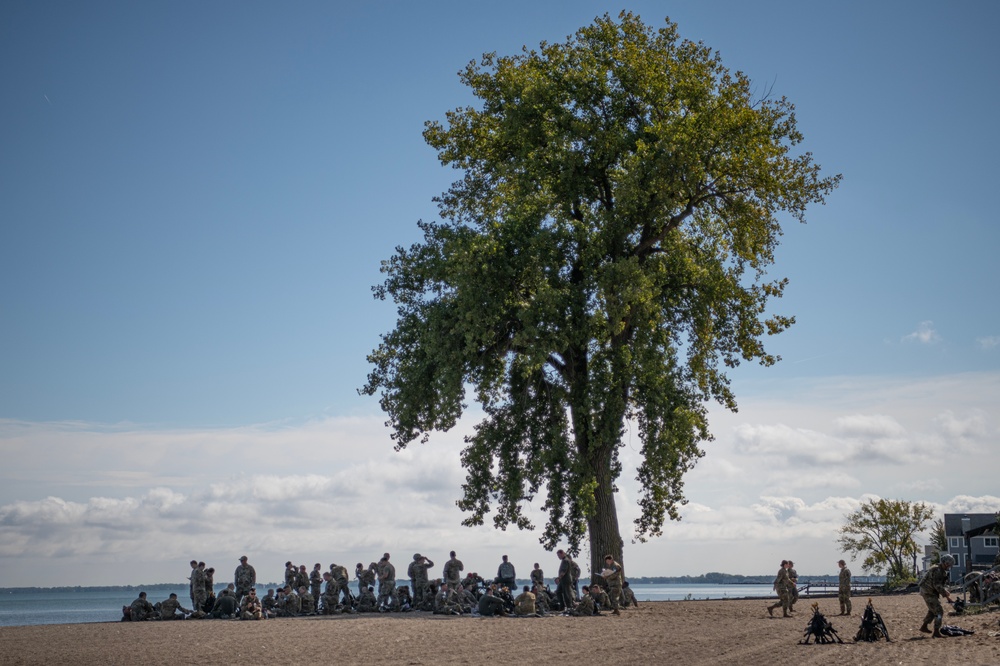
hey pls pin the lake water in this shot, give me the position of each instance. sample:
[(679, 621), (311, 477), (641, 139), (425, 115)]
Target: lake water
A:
[(90, 605)]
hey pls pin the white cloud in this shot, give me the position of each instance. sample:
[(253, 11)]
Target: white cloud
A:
[(989, 342), (925, 334)]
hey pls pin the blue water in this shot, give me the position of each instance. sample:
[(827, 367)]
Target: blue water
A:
[(88, 605)]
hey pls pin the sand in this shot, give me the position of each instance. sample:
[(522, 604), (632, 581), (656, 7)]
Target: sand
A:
[(692, 633)]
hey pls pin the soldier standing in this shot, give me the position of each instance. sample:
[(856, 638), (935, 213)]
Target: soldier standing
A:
[(564, 580), (291, 574), (506, 575), (613, 574), (197, 585), (340, 577), (453, 571), (537, 576), (316, 581), (418, 576), (844, 589), (386, 583), (245, 579)]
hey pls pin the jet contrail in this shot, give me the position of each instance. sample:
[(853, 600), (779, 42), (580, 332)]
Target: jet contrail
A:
[(47, 99)]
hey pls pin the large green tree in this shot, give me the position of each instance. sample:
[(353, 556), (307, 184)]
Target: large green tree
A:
[(884, 530), (601, 259)]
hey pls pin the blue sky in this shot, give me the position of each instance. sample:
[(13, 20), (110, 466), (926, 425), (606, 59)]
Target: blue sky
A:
[(195, 198)]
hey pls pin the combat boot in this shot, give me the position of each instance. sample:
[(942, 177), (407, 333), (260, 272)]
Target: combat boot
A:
[(925, 629)]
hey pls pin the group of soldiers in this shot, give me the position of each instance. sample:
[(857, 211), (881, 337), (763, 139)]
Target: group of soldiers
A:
[(786, 584), (319, 592)]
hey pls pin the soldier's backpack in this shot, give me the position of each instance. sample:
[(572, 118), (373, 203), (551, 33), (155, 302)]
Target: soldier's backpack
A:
[(574, 570)]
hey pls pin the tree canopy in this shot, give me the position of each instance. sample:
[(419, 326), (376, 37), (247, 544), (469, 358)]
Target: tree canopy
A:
[(884, 531), (602, 259)]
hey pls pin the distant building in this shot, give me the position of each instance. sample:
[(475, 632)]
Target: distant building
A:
[(930, 557), (973, 540)]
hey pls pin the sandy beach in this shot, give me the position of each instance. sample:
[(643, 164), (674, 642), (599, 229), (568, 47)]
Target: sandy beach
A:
[(727, 631)]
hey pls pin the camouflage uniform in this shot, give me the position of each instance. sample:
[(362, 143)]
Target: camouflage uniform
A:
[(307, 602), (781, 586), (245, 578), (291, 605), (269, 603), (198, 594), (418, 576), (445, 603), (169, 608), (542, 599), (564, 581), (225, 606), (315, 581), (793, 590), (367, 602), (628, 596), (844, 591), (506, 575), (537, 577), (142, 610), (340, 578), (386, 584), (524, 604), (366, 577), (490, 606), (933, 585), (291, 573), (585, 607), (251, 608), (331, 595), (614, 580), (453, 569)]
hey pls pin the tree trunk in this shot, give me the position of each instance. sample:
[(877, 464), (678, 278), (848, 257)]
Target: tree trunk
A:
[(602, 527)]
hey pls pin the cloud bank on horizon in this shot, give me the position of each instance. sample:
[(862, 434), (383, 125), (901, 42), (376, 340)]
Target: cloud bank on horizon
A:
[(127, 505)]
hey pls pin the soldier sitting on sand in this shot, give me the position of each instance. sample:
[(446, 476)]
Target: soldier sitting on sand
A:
[(367, 603), (171, 609), (524, 604), (250, 607), (142, 609), (585, 607)]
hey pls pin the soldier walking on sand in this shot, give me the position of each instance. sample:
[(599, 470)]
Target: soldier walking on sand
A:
[(793, 579), (781, 586), (933, 585), (844, 590)]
